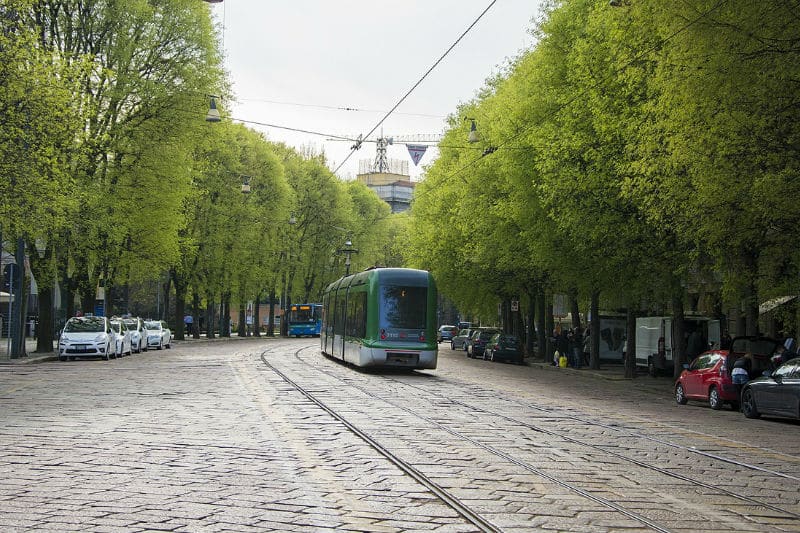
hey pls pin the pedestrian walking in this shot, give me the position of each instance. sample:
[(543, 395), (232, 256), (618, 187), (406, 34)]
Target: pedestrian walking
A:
[(188, 322)]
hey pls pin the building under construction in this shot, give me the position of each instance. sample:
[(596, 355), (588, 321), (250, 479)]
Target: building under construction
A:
[(389, 178)]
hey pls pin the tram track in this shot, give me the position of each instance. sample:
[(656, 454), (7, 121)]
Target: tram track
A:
[(458, 505), (445, 496), (637, 462), (744, 498)]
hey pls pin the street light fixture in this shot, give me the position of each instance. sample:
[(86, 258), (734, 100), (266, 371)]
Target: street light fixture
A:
[(213, 113), (348, 250), (473, 131)]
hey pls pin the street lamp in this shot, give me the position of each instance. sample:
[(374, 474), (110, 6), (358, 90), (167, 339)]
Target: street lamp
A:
[(348, 250), (473, 131), (213, 113)]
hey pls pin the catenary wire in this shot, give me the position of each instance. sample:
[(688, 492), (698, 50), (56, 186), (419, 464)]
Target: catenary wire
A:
[(435, 64)]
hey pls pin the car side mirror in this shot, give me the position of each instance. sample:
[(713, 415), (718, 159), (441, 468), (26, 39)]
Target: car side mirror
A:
[(686, 366)]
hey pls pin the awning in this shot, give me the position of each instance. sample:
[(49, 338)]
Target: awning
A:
[(5, 298), (769, 305)]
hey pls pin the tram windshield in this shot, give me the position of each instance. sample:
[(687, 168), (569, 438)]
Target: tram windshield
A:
[(403, 307)]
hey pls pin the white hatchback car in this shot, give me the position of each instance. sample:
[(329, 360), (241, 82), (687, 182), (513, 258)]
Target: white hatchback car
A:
[(87, 336), (138, 334), (158, 334), (123, 337)]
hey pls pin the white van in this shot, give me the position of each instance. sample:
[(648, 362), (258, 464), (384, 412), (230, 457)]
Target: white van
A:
[(655, 340)]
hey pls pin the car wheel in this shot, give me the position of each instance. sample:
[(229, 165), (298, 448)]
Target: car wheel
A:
[(680, 397), (62, 358), (160, 346), (749, 405), (651, 368), (713, 399), (452, 345)]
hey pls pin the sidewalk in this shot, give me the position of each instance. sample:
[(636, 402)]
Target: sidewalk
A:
[(39, 357)]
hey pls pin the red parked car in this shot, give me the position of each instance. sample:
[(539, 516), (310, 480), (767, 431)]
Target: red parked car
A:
[(708, 378)]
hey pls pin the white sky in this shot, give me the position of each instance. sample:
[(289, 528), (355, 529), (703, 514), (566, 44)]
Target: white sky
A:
[(292, 61)]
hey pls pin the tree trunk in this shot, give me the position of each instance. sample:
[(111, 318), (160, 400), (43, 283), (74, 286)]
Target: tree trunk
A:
[(548, 325), (195, 315), (241, 330), (594, 350), (44, 329), (180, 305), (630, 350), (678, 336), (271, 326), (257, 314), (530, 324), (211, 316), (541, 328), (575, 311)]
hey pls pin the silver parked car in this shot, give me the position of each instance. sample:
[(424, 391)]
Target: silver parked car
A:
[(159, 335)]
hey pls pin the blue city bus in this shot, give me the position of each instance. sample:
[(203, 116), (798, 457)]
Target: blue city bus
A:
[(305, 319)]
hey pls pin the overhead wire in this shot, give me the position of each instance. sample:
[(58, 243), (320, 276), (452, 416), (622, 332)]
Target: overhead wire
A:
[(336, 108), (435, 64)]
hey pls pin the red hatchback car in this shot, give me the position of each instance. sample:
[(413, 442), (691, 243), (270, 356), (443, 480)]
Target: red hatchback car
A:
[(708, 378)]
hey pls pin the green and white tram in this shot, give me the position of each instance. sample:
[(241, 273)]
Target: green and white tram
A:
[(383, 317)]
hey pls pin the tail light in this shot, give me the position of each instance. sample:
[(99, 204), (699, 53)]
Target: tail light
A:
[(422, 336), (723, 370), (383, 334)]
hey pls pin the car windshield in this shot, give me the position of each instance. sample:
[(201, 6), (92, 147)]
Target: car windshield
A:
[(130, 323), (153, 325), (116, 326), (85, 325)]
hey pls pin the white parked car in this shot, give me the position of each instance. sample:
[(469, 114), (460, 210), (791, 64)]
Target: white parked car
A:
[(123, 337), (87, 336), (138, 334), (159, 335)]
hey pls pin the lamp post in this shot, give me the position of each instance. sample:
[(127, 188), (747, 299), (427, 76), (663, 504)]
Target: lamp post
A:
[(348, 250)]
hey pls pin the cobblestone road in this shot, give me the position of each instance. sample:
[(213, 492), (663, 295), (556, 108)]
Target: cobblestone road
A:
[(209, 436)]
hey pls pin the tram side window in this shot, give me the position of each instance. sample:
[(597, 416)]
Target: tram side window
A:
[(357, 315), (338, 319)]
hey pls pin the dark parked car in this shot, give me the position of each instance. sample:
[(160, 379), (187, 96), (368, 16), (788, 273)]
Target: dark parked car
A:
[(459, 342), (477, 341), (775, 395), (503, 347), (446, 333)]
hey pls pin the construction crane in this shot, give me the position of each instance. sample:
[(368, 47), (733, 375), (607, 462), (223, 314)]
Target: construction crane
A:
[(381, 163)]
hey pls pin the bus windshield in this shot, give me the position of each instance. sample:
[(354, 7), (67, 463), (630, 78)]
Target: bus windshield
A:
[(304, 313), (403, 307)]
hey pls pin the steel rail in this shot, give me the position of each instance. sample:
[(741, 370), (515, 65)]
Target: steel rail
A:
[(451, 501), (530, 468)]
